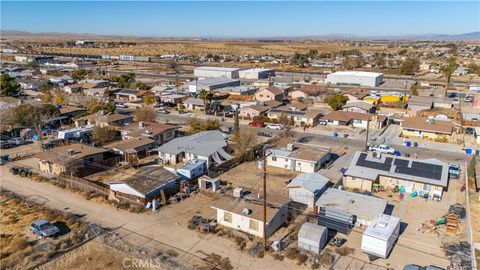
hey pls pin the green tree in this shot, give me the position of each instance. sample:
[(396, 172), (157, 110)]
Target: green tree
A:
[(126, 80), (336, 101), (450, 68), (410, 66), (95, 106), (79, 74), (35, 116), (207, 97), (8, 87), (103, 135), (236, 123), (142, 86)]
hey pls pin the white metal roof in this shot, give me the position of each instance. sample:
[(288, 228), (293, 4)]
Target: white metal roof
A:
[(356, 73), (310, 181), (382, 227), (311, 231)]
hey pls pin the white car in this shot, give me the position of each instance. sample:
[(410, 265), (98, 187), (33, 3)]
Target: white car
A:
[(275, 126), (382, 148)]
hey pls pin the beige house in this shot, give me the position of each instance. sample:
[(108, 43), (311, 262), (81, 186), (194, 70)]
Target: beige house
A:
[(70, 158), (426, 128), (270, 93), (356, 93), (299, 157), (427, 177), (247, 216), (160, 133), (253, 111), (103, 119)]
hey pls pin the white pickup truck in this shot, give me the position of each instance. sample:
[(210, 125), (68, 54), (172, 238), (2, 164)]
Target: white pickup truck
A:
[(382, 148)]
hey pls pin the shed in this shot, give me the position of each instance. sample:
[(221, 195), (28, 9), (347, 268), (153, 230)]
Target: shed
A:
[(306, 188), (336, 220), (312, 237), (380, 236)]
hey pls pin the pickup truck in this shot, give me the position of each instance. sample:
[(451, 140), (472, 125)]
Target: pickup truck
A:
[(453, 171), (382, 148)]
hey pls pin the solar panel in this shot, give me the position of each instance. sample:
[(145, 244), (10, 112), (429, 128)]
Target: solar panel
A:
[(421, 169), (384, 166), (401, 162)]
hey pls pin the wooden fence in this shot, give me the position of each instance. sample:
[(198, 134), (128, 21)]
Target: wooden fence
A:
[(83, 184)]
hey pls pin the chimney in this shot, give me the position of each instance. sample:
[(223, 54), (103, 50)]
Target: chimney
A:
[(71, 152), (141, 124)]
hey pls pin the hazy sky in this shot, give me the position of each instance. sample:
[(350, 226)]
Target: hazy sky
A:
[(242, 19)]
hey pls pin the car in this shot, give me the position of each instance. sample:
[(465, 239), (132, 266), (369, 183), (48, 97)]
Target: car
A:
[(469, 131), (418, 267), (121, 105), (163, 111), (275, 126), (453, 170), (44, 228), (452, 95), (322, 122), (382, 148), (256, 124)]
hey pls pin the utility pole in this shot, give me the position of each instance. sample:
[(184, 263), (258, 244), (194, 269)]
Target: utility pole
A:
[(366, 137), (264, 178)]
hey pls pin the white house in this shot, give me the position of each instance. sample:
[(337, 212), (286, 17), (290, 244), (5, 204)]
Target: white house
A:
[(246, 216), (299, 157), (206, 145), (306, 188)]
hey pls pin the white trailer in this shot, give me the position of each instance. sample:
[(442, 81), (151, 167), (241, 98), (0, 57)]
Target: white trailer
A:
[(380, 236)]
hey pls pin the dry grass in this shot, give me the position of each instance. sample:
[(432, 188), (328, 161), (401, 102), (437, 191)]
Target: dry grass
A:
[(18, 244)]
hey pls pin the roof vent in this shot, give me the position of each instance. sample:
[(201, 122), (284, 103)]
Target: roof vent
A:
[(71, 152), (382, 224), (246, 211), (141, 124), (351, 201)]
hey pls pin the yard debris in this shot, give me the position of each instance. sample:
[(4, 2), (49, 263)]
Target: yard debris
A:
[(459, 254)]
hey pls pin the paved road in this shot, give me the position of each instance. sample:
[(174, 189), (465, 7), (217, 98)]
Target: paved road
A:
[(161, 226)]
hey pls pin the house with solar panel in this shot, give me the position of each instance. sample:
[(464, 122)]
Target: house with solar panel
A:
[(428, 177)]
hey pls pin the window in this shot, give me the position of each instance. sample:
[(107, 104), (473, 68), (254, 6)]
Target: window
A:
[(253, 225), (427, 187), (227, 217), (274, 158)]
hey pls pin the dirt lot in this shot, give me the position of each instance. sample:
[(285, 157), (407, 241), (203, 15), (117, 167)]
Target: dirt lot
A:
[(415, 245), (19, 246), (93, 255), (248, 176)]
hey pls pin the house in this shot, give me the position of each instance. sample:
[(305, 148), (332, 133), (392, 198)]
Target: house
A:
[(160, 133), (103, 119), (253, 111), (355, 93), (308, 116), (364, 208), (359, 106), (130, 95), (246, 216), (72, 158), (173, 98), (305, 158), (312, 237), (207, 145), (427, 177), (61, 80), (242, 90), (194, 104), (443, 103), (147, 184), (73, 88), (381, 235), (132, 149), (71, 111), (193, 169), (355, 119), (418, 103), (306, 188), (270, 93), (428, 128)]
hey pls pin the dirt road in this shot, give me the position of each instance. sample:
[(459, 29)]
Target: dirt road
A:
[(160, 226)]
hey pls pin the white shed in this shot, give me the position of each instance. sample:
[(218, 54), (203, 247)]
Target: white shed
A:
[(306, 188), (380, 236), (312, 237)]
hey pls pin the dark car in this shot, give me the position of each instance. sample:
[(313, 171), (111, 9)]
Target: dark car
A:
[(418, 267), (469, 131), (43, 228), (453, 95), (256, 124)]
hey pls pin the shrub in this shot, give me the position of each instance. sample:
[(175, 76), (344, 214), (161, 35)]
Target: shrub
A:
[(301, 259), (291, 253), (345, 251)]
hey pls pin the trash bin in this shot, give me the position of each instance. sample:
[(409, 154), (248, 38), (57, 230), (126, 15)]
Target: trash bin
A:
[(335, 134), (408, 143), (468, 151)]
